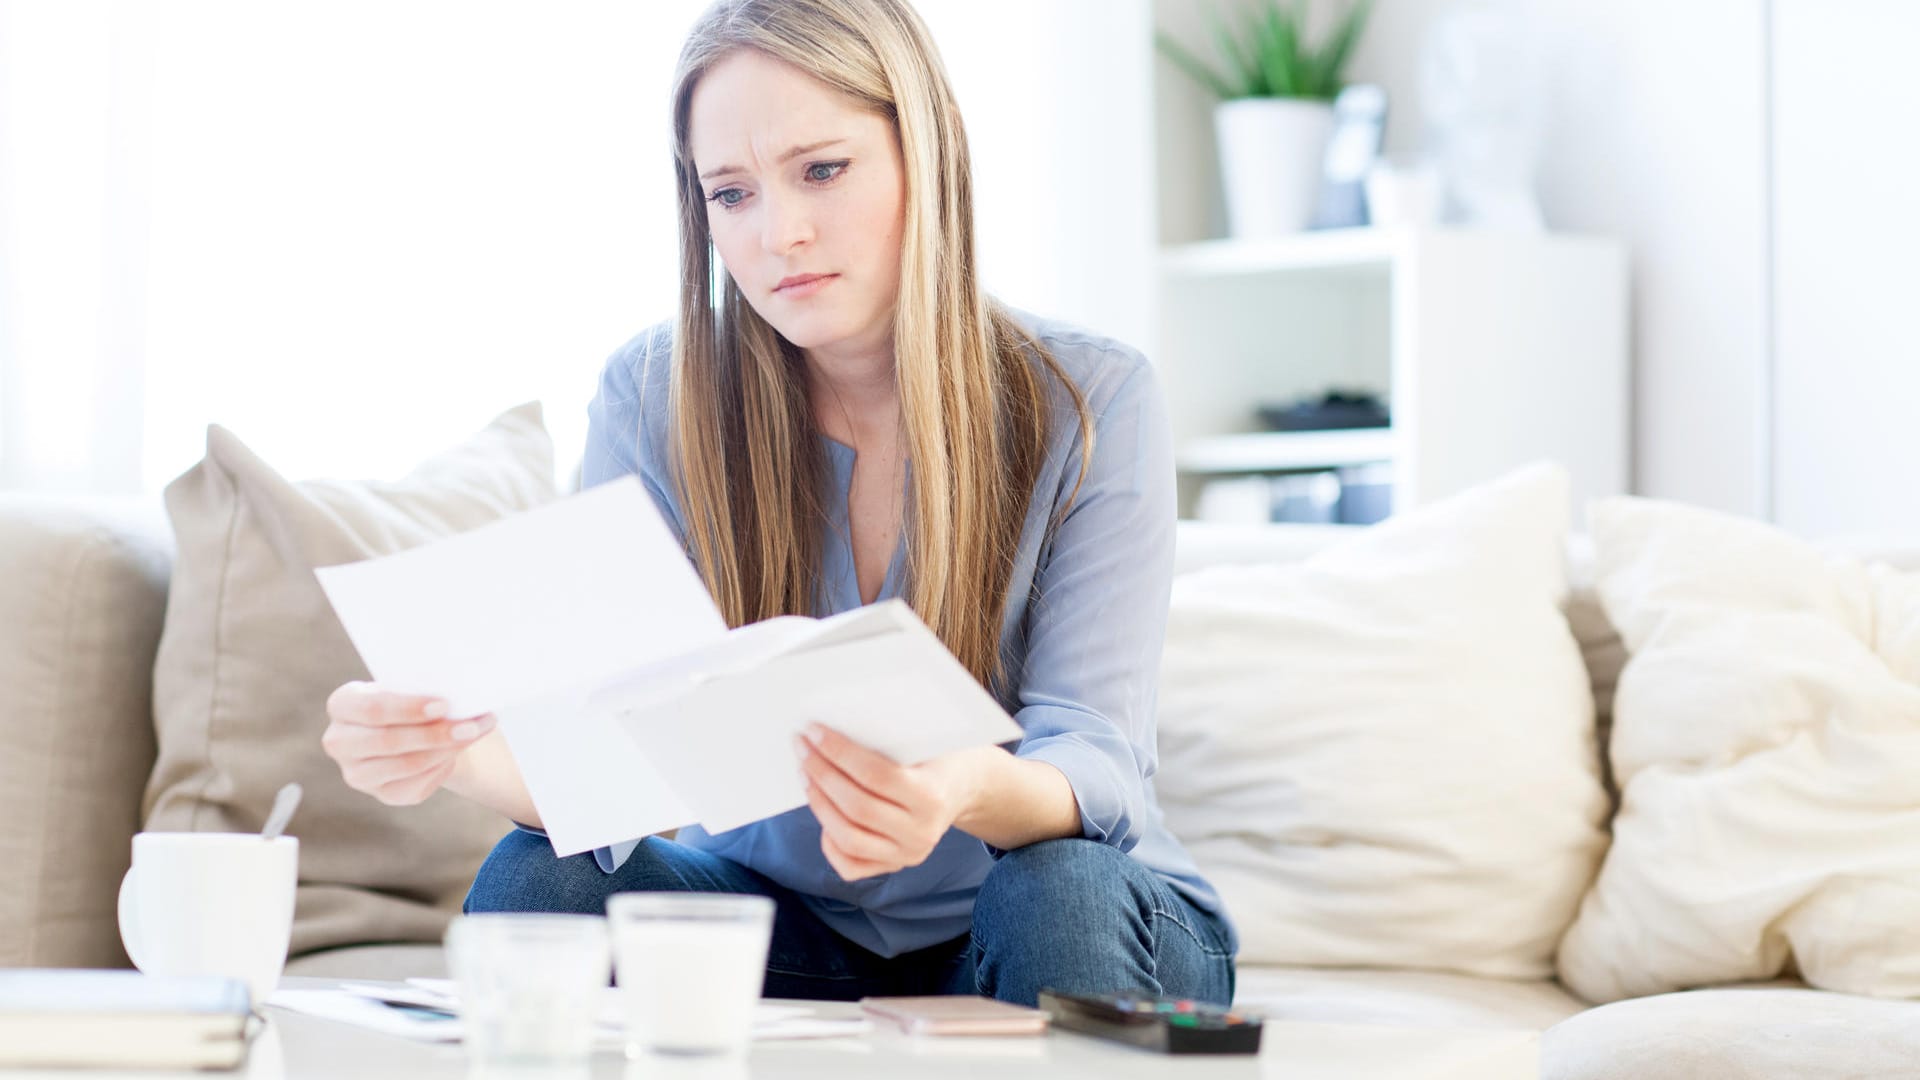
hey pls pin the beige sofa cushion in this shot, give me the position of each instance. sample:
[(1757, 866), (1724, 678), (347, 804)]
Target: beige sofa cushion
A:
[(251, 650), (83, 585)]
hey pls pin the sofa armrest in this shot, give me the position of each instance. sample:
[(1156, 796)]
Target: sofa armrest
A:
[(83, 589)]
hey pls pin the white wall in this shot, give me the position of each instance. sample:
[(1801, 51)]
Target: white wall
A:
[(1656, 135), (374, 226), (1846, 239), (1759, 156), (352, 233), (71, 190), (1053, 95)]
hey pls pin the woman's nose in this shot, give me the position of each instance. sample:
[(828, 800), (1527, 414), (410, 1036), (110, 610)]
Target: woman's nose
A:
[(784, 223)]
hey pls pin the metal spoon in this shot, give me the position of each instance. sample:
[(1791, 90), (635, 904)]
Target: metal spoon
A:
[(284, 804)]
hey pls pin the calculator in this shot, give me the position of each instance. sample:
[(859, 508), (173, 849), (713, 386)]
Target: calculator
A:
[(1165, 1025)]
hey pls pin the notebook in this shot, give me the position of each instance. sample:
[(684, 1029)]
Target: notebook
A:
[(121, 1019)]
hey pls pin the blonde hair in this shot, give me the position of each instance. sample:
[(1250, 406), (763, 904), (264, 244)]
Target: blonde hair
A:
[(744, 445)]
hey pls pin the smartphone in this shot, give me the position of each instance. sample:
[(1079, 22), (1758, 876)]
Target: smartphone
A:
[(956, 1015)]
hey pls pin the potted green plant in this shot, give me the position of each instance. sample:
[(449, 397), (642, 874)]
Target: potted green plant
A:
[(1275, 114)]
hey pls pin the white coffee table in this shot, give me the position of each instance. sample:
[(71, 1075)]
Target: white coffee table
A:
[(295, 1046)]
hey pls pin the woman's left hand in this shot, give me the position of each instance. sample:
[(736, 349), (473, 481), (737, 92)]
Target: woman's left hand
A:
[(878, 816)]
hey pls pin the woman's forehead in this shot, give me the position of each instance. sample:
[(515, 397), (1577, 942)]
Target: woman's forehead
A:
[(750, 109)]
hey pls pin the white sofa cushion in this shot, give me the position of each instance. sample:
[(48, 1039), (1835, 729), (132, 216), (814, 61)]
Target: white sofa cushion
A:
[(1421, 999), (1744, 1033), (1767, 743), (1384, 755)]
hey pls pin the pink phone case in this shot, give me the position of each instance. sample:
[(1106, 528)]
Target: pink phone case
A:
[(956, 1015)]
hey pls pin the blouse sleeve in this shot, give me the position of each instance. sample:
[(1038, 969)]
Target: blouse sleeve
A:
[(626, 422), (1097, 618)]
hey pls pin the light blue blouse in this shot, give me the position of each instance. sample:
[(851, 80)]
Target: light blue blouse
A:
[(1082, 635)]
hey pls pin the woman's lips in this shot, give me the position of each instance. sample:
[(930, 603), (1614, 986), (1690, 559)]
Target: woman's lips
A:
[(805, 288)]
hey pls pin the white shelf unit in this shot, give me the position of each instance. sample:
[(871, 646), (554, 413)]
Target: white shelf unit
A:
[(1491, 350), (1270, 451)]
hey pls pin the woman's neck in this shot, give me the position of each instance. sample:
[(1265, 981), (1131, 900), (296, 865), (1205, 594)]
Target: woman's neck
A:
[(855, 397)]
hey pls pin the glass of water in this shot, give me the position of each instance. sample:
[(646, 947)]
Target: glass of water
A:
[(530, 986), (690, 967)]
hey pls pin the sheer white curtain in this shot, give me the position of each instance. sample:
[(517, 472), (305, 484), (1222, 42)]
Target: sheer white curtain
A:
[(71, 239), (354, 231)]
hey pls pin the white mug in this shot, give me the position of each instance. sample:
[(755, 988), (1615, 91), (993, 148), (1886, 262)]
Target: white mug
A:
[(211, 904)]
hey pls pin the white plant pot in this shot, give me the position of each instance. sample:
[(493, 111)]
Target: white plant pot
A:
[(1271, 152)]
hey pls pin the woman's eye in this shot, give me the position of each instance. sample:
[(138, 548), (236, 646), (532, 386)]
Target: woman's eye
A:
[(822, 171)]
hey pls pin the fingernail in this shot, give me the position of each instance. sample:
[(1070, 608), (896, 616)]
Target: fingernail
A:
[(466, 732), (801, 748), (435, 710), (815, 733)]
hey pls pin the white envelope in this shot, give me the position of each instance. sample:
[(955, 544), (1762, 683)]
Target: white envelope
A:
[(895, 690)]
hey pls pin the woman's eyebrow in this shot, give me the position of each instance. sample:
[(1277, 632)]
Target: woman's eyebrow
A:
[(786, 157)]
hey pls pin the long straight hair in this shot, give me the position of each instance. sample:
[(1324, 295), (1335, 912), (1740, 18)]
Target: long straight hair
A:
[(745, 451)]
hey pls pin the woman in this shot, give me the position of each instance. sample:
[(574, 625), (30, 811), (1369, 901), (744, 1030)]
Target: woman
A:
[(854, 420)]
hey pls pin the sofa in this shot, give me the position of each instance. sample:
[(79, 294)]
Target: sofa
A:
[(84, 594)]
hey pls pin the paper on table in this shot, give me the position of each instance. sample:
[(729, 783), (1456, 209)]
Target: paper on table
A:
[(360, 1011), (566, 595), (363, 1005)]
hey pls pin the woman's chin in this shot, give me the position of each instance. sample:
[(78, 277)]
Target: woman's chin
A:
[(811, 330)]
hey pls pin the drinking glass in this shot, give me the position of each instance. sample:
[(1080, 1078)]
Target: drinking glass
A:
[(530, 986), (690, 967)]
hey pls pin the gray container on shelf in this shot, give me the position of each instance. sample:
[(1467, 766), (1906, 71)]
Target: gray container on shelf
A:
[(1311, 498), (1366, 494), (1359, 123)]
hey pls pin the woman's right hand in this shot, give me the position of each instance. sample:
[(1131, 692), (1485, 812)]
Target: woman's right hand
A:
[(399, 748)]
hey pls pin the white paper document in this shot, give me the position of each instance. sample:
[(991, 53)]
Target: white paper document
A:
[(628, 705), (432, 1014)]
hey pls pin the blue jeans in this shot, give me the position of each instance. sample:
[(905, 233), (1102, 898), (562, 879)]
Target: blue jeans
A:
[(1069, 915)]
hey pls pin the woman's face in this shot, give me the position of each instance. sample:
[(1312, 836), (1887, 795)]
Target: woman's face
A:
[(800, 183)]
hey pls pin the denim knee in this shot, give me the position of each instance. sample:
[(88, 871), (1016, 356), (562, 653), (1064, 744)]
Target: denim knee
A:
[(523, 874), (1067, 914), (1056, 884), (1085, 917)]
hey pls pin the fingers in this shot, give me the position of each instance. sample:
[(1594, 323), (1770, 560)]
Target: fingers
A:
[(848, 867), (852, 800), (397, 747), (853, 839), (411, 790), (372, 774), (871, 769), (344, 741), (367, 704)]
